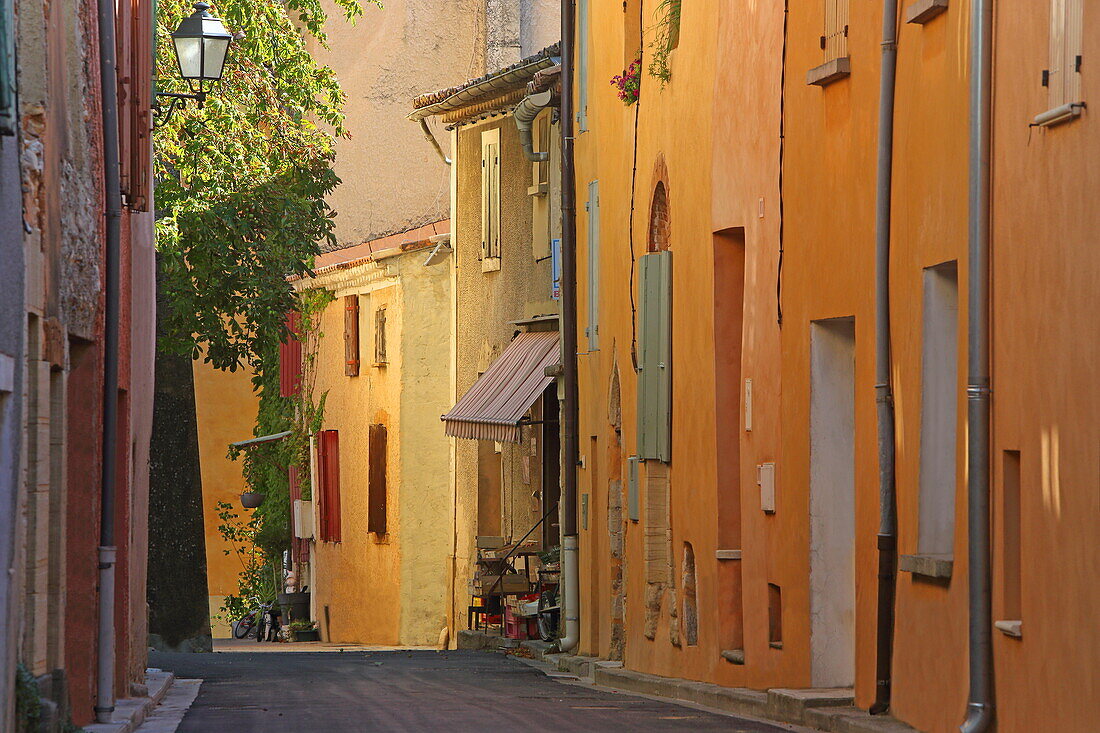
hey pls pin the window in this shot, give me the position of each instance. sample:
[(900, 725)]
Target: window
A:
[(582, 65), (290, 359), (490, 200), (834, 41), (939, 408), (655, 357), (351, 335), (380, 336), (8, 112), (592, 206), (328, 484), (376, 479), (1063, 77)]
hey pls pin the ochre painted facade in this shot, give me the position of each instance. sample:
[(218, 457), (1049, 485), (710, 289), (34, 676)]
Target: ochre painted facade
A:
[(371, 587), (225, 412)]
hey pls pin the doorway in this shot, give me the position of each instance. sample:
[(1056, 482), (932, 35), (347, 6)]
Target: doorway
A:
[(832, 502)]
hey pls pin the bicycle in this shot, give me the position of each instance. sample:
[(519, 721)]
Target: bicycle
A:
[(254, 623)]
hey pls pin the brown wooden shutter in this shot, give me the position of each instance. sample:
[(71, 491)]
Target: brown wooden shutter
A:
[(376, 482), (351, 335), (380, 336), (140, 103), (328, 479)]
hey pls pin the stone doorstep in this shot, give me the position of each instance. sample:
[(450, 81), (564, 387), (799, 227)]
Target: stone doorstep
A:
[(131, 712), (824, 709)]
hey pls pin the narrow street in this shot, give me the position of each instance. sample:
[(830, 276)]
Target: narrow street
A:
[(355, 691)]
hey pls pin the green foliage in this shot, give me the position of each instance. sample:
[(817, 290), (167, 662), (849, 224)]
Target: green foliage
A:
[(28, 703), (266, 466), (666, 38), (241, 183), (259, 576)]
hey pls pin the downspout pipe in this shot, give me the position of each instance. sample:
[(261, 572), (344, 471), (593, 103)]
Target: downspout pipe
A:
[(112, 190), (979, 707), (884, 397), (570, 442), (524, 115), (435, 143)]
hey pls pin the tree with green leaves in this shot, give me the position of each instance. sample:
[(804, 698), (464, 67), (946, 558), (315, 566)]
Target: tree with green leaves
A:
[(241, 183)]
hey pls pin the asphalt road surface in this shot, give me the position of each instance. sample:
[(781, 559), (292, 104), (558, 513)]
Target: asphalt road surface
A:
[(357, 691)]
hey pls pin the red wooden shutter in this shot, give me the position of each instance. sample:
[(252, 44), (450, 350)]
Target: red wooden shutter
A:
[(290, 359), (140, 103), (376, 481), (351, 335), (328, 464)]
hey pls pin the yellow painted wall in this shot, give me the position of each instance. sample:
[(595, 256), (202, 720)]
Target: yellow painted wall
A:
[(388, 589), (225, 411), (487, 302)]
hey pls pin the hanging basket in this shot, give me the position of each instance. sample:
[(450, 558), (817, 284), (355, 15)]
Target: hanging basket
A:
[(252, 500)]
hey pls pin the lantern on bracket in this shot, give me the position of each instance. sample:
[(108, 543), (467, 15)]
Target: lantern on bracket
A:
[(201, 44)]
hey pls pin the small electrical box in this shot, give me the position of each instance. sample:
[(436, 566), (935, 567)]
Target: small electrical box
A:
[(765, 477)]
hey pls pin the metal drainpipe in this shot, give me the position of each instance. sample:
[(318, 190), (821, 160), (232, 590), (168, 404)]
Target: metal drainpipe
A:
[(105, 680), (524, 115), (979, 716), (571, 446), (887, 532)]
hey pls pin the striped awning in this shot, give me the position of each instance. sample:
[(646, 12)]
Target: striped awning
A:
[(494, 405)]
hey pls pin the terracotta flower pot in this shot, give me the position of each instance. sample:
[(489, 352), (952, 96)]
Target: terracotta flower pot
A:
[(251, 499)]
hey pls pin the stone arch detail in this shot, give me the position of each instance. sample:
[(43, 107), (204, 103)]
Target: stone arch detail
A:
[(690, 618), (659, 235)]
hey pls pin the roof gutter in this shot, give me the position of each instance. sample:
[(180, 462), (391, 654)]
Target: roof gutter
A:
[(524, 114), (431, 138)]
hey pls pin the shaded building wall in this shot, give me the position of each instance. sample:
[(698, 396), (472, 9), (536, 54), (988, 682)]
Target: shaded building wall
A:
[(60, 141), (11, 387), (392, 179), (486, 304)]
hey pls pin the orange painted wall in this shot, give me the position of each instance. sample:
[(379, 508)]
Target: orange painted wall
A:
[(712, 136), (225, 412), (1046, 383)]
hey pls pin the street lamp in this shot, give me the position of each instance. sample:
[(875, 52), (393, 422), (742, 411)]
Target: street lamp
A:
[(201, 43)]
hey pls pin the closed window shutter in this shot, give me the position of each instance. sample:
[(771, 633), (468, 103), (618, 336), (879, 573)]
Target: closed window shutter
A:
[(485, 216), (593, 208), (380, 336), (139, 105), (290, 359), (328, 467), (834, 42), (7, 68), (655, 357), (490, 193), (494, 200), (351, 335), (376, 486)]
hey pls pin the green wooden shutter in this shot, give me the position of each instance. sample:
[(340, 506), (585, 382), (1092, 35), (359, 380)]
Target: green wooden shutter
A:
[(582, 65), (593, 208), (655, 357), (8, 113)]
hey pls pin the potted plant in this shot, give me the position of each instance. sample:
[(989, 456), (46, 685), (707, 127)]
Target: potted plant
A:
[(252, 499), (304, 631), (629, 83)]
